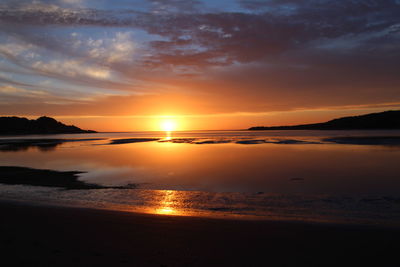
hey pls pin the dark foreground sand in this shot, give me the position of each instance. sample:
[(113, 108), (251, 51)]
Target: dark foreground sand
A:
[(51, 236)]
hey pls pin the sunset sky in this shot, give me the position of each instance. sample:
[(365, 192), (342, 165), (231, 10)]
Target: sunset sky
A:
[(127, 65)]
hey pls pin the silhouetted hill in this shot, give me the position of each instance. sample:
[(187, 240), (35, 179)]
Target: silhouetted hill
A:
[(382, 120), (43, 125)]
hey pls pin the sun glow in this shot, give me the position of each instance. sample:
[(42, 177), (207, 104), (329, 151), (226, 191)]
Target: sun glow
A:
[(168, 125)]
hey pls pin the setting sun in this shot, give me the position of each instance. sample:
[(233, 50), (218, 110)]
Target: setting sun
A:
[(168, 125)]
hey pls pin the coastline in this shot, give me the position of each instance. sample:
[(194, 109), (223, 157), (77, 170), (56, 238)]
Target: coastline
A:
[(324, 209), (64, 236)]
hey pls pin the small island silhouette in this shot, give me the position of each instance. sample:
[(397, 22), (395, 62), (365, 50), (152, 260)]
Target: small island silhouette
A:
[(42, 125), (383, 120)]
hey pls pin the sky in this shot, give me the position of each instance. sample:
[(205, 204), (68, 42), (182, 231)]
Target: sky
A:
[(205, 64)]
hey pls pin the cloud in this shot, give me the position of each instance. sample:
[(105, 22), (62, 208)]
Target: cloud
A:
[(174, 6), (118, 49), (264, 56), (10, 90), (71, 68)]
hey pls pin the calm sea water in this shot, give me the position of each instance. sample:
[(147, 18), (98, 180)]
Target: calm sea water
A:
[(286, 175)]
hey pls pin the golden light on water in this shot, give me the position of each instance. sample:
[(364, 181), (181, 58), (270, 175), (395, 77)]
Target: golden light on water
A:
[(168, 136), (165, 211), (166, 205)]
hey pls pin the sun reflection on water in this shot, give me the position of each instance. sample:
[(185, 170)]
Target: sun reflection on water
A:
[(168, 136), (167, 204), (165, 211)]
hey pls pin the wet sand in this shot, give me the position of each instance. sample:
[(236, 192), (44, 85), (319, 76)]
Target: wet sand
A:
[(57, 236)]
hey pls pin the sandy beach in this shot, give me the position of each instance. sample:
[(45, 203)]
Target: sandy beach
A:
[(58, 236)]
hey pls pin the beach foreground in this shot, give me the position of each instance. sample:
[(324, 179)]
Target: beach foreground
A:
[(58, 236)]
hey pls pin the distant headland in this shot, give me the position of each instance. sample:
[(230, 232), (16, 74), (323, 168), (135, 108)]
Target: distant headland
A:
[(42, 125), (382, 120)]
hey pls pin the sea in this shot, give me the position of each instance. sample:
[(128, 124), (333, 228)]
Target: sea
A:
[(350, 177)]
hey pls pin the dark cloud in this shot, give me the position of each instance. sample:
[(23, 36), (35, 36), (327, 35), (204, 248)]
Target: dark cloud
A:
[(241, 36), (175, 6)]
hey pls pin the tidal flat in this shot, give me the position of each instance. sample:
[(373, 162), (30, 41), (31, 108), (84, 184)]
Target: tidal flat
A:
[(346, 177)]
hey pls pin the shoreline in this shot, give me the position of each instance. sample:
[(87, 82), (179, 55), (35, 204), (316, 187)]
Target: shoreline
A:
[(202, 215), (199, 216), (274, 207), (65, 236)]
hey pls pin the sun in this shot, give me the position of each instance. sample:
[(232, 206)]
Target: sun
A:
[(168, 125)]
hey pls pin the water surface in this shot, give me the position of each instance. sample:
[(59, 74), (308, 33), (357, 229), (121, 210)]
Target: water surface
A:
[(290, 175)]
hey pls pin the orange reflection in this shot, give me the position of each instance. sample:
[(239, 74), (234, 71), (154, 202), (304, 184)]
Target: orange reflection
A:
[(168, 136), (165, 211), (167, 205)]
